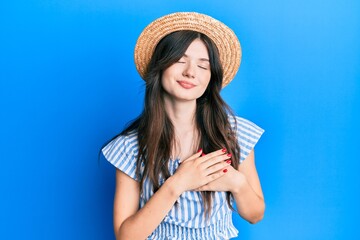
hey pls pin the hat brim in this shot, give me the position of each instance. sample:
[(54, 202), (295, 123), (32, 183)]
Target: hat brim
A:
[(223, 37)]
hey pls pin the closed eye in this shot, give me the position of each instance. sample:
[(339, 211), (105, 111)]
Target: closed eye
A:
[(181, 60), (202, 67)]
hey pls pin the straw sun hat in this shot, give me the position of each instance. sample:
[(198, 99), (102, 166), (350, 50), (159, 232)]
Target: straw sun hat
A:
[(223, 37)]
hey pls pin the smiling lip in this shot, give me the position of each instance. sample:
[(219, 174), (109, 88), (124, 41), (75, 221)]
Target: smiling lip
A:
[(186, 85)]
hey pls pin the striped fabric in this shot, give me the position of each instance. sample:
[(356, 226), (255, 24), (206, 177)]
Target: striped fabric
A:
[(186, 218)]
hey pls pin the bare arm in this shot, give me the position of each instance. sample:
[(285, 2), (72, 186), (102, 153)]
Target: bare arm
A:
[(247, 193), (130, 222)]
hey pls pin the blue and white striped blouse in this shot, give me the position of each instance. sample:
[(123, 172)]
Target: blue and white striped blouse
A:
[(186, 219)]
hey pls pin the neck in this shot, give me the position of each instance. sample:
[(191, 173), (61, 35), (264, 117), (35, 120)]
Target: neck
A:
[(181, 114)]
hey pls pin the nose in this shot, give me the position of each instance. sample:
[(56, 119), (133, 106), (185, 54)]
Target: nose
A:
[(189, 70)]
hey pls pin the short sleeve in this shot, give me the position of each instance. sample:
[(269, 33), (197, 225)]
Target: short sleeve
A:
[(122, 153), (247, 133)]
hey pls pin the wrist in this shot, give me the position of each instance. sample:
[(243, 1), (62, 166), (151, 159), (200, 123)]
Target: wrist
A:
[(239, 183), (173, 187)]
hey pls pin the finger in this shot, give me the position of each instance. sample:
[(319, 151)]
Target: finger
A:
[(193, 157), (212, 155), (206, 187), (224, 159), (202, 188), (216, 175), (216, 167)]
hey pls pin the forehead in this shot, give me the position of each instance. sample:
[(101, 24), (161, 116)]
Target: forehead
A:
[(197, 49)]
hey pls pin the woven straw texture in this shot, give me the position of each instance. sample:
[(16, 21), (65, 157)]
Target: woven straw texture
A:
[(224, 38)]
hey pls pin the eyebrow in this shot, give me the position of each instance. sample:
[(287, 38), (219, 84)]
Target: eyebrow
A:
[(201, 59)]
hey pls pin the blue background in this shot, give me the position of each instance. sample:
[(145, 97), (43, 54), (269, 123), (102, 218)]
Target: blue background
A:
[(68, 84)]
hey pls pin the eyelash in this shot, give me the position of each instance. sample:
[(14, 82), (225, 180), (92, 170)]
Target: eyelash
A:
[(198, 65)]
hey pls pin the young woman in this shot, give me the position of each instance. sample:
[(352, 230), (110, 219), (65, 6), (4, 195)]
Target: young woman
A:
[(178, 164)]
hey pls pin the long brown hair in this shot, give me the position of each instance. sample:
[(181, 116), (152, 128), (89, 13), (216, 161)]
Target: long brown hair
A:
[(154, 128)]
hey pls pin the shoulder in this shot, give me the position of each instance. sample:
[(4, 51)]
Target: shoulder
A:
[(247, 134), (126, 143), (122, 152), (245, 126)]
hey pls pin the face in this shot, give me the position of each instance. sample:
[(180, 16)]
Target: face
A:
[(188, 78)]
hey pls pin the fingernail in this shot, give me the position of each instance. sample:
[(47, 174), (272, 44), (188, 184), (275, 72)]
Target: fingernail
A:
[(225, 170), (223, 150), (229, 155), (228, 161), (199, 150), (203, 154)]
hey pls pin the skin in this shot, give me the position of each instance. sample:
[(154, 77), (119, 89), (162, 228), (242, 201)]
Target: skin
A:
[(183, 83)]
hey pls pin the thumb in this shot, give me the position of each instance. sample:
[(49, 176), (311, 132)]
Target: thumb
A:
[(193, 157), (205, 187)]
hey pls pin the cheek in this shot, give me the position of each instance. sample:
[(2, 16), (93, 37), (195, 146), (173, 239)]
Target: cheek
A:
[(169, 73), (166, 81), (206, 78), (165, 75)]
